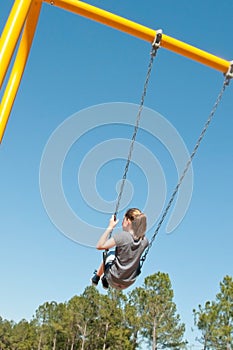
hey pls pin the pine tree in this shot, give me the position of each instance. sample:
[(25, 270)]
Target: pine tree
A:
[(215, 319), (159, 322)]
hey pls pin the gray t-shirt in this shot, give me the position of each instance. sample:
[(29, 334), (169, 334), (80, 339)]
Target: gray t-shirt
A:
[(123, 271)]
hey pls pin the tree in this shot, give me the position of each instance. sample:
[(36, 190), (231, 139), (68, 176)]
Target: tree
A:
[(115, 321), (88, 318), (132, 321), (117, 335), (103, 321), (72, 321), (206, 320), (215, 320), (49, 324), (159, 323), (6, 330), (225, 315), (24, 336)]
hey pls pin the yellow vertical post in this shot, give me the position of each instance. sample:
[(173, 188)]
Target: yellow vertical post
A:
[(19, 64), (10, 34)]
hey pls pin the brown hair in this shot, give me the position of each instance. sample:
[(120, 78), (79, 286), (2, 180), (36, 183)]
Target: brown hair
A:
[(138, 220)]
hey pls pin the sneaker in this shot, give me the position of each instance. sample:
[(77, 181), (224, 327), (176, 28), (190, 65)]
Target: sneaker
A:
[(95, 279), (104, 282)]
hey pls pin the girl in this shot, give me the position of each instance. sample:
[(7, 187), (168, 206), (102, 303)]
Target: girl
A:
[(121, 267)]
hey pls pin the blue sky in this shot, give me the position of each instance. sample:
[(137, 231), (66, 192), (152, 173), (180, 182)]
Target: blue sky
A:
[(76, 65)]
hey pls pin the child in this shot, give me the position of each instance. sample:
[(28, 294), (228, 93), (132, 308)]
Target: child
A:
[(121, 267)]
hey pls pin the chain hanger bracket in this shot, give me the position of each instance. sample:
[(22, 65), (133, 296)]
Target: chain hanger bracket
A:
[(157, 41), (229, 73)]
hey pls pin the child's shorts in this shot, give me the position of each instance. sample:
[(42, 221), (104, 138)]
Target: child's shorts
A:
[(109, 260)]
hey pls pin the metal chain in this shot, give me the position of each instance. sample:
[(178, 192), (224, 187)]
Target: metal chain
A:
[(155, 46), (225, 83)]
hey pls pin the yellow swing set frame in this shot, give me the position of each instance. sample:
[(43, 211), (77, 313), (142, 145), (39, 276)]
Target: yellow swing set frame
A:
[(23, 19)]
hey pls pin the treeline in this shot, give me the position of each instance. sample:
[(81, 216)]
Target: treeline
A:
[(119, 321)]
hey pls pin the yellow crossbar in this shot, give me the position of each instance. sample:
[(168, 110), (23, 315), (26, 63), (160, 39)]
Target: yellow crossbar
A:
[(27, 11), (141, 32)]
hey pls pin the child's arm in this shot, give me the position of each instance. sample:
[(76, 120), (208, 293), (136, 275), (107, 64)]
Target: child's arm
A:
[(105, 242)]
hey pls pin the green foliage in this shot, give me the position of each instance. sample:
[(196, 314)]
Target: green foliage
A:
[(6, 330), (159, 323), (215, 319), (118, 321), (93, 321)]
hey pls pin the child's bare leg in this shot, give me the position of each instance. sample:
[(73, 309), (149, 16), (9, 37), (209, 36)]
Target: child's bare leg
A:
[(100, 270)]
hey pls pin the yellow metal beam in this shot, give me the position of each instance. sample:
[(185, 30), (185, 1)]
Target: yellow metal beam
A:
[(141, 32), (30, 9), (10, 34), (19, 64)]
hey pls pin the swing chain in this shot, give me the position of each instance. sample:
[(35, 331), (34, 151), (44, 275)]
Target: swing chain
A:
[(228, 76), (155, 47)]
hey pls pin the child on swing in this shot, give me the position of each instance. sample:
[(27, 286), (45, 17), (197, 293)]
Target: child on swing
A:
[(120, 268)]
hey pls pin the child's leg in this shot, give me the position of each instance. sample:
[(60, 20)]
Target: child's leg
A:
[(97, 275), (100, 270)]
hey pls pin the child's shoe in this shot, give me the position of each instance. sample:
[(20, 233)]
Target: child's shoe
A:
[(95, 279), (104, 282)]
